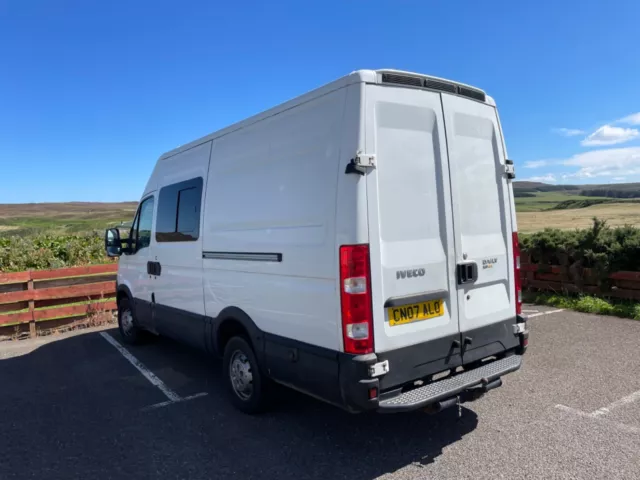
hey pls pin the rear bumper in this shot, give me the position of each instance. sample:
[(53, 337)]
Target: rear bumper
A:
[(356, 385), (479, 378), (469, 375)]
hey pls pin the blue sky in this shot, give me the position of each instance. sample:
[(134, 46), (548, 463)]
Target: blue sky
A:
[(91, 93)]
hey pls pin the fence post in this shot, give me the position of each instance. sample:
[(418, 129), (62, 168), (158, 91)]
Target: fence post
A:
[(32, 323)]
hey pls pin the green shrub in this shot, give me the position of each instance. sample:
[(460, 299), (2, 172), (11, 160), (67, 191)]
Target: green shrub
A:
[(573, 204), (588, 304), (594, 305), (601, 248), (50, 251)]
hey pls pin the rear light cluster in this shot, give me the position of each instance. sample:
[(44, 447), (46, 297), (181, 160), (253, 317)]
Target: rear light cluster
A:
[(355, 297), (516, 271)]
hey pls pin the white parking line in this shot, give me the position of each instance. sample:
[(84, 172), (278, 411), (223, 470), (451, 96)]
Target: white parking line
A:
[(618, 403), (545, 313), (600, 419), (169, 402), (149, 375)]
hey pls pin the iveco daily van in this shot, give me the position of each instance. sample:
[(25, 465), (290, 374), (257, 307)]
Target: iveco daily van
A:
[(357, 243)]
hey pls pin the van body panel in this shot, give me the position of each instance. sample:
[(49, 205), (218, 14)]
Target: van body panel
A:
[(351, 215), (272, 193), (358, 78), (351, 209)]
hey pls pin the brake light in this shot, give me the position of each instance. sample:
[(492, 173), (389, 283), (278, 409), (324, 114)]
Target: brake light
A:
[(355, 297), (516, 271)]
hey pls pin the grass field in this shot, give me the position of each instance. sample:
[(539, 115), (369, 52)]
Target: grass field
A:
[(548, 200), (537, 213), (534, 213), (616, 214), (62, 218)]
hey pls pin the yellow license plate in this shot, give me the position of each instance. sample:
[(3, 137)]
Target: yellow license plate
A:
[(415, 312)]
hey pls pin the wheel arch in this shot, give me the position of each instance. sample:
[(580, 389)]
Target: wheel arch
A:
[(123, 291), (233, 321)]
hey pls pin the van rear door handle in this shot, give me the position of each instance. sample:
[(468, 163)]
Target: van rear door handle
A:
[(467, 272)]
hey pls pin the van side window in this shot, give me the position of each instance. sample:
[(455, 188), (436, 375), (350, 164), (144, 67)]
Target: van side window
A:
[(140, 236), (179, 212)]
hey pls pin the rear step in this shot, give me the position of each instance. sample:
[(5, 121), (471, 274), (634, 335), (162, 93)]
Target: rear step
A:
[(452, 386)]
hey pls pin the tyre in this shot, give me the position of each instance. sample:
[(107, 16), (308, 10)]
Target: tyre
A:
[(246, 385), (129, 332)]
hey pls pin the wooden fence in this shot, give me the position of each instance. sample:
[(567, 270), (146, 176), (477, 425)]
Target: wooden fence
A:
[(45, 295), (68, 293), (561, 279)]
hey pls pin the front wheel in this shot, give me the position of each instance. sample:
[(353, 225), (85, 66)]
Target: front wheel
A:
[(246, 385), (130, 333)]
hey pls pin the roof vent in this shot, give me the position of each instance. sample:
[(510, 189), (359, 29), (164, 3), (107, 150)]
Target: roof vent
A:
[(433, 84), (472, 93), (438, 85), (401, 79)]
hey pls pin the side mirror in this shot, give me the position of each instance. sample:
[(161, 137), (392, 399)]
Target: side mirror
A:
[(112, 242)]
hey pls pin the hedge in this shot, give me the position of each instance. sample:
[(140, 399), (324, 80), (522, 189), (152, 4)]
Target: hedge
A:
[(604, 249), (50, 251)]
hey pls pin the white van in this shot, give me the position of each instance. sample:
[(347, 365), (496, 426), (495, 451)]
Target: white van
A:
[(357, 243)]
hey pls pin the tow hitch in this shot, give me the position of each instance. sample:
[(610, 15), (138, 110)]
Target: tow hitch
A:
[(441, 405), (468, 395)]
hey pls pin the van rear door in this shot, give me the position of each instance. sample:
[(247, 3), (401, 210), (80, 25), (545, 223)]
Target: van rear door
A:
[(482, 224), (411, 237)]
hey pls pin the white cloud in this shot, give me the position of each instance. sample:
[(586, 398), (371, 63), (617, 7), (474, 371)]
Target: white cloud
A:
[(549, 177), (535, 163), (608, 135), (619, 179), (611, 162), (633, 119), (568, 132)]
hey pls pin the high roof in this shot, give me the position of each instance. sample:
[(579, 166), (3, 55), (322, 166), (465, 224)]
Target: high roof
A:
[(383, 76)]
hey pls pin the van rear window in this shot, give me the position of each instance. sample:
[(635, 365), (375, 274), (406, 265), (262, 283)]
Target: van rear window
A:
[(178, 217)]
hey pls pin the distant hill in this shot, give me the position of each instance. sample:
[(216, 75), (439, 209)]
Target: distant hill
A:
[(8, 210), (615, 190), (525, 185), (63, 218)]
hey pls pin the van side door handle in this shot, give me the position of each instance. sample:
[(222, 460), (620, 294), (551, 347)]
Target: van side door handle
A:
[(467, 272), (154, 268)]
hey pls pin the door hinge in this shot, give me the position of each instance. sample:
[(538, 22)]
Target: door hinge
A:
[(510, 170), (365, 161), (379, 368), (360, 162)]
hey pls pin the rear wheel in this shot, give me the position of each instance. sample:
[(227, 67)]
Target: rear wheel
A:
[(246, 385), (129, 332)]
